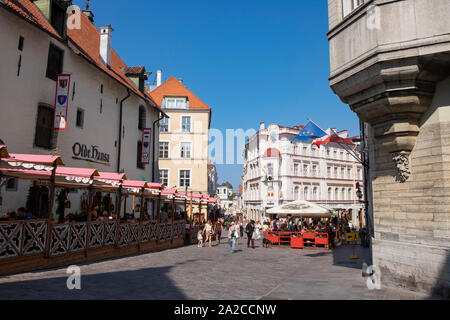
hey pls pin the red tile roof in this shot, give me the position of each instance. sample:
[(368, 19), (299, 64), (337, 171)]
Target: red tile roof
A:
[(272, 153), (134, 70), (175, 88), (31, 13), (85, 40)]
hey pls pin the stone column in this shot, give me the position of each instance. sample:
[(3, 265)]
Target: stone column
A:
[(406, 102)]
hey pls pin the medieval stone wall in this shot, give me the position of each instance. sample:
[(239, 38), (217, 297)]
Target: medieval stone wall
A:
[(412, 239)]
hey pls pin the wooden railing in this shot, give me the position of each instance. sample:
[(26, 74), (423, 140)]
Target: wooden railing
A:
[(26, 238)]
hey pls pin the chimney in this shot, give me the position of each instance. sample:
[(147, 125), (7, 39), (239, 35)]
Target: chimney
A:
[(180, 80), (105, 44), (88, 13), (262, 126), (158, 78)]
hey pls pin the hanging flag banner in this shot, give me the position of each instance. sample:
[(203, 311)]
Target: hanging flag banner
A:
[(61, 101), (146, 139)]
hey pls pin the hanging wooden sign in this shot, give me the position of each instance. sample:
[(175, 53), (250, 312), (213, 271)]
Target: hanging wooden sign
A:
[(61, 102)]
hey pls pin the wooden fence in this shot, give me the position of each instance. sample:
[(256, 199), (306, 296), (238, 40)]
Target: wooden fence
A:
[(30, 239)]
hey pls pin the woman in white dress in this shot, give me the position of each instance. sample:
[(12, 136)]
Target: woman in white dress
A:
[(258, 230)]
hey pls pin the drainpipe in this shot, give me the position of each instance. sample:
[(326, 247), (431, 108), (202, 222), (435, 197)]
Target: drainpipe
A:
[(120, 129), (153, 145), (153, 163)]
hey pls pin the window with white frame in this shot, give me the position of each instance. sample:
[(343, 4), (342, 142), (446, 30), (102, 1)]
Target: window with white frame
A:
[(297, 193), (330, 194), (342, 173), (349, 5), (306, 193), (270, 169), (164, 150), (186, 124), (185, 179), (344, 194), (186, 150), (349, 173), (175, 103), (329, 172), (336, 172), (316, 193), (336, 194), (350, 194), (164, 125), (296, 167), (315, 172), (164, 177), (305, 170)]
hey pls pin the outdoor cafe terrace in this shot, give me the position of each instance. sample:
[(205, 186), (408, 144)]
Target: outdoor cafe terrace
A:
[(35, 244)]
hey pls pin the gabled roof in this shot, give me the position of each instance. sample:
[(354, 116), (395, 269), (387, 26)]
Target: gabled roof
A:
[(134, 70), (84, 42), (174, 88), (226, 184), (87, 41), (30, 12)]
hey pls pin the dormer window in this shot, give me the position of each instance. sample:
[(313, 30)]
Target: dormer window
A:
[(58, 18), (176, 103)]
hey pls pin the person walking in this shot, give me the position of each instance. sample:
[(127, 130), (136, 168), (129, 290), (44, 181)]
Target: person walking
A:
[(241, 229), (249, 229), (234, 235), (208, 232), (238, 232), (218, 231), (200, 239), (258, 230)]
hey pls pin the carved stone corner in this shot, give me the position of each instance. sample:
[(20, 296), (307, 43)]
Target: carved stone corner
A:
[(402, 164)]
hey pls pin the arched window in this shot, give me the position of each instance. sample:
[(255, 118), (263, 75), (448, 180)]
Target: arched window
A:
[(350, 195), (297, 193), (344, 194), (330, 194), (336, 194), (142, 118), (306, 193), (316, 193)]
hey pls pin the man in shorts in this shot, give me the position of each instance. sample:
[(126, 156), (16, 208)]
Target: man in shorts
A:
[(218, 231)]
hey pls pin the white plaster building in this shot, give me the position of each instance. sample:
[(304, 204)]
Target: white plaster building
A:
[(224, 192), (108, 106), (277, 171)]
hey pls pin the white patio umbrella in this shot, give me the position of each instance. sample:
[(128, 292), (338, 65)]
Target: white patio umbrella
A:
[(301, 208)]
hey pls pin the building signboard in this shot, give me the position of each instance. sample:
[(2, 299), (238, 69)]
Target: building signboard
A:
[(61, 102), (146, 143)]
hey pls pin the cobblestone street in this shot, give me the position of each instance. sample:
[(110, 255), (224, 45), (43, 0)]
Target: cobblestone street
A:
[(210, 273)]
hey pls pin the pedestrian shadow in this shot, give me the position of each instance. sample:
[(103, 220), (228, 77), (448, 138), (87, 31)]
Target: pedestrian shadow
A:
[(142, 284)]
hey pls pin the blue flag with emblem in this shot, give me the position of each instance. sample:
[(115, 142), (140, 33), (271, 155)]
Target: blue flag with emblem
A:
[(310, 131)]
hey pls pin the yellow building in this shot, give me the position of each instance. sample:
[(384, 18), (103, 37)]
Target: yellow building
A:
[(183, 140)]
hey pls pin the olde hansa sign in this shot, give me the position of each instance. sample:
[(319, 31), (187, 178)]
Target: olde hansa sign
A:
[(146, 142), (89, 153), (61, 101)]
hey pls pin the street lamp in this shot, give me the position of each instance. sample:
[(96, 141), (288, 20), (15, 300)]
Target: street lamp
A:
[(359, 194)]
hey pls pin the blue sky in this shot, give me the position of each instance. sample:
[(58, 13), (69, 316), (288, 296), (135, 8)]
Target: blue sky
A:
[(250, 60)]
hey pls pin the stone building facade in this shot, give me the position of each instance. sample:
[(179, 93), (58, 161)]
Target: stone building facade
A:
[(390, 62)]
